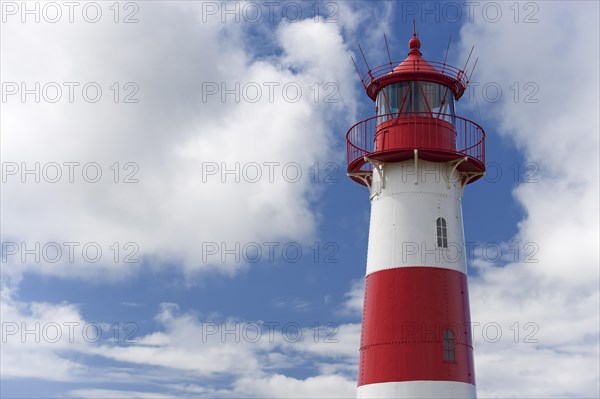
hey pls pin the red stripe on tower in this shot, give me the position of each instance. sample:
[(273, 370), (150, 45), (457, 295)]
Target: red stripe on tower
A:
[(416, 326)]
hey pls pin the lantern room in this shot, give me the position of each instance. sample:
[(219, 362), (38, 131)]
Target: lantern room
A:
[(415, 97), (415, 116)]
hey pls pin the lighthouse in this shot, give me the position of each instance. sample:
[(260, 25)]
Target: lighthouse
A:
[(415, 156)]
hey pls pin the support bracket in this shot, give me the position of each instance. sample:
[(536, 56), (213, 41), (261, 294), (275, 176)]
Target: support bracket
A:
[(456, 163), (468, 177), (416, 152), (364, 176), (378, 166)]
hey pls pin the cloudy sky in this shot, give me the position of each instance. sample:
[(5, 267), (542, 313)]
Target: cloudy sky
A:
[(176, 220)]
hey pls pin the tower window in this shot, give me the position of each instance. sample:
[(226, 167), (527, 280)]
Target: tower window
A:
[(410, 98), (448, 346), (442, 233)]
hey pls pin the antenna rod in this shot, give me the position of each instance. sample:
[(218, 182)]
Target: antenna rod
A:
[(388, 51), (446, 56), (472, 70), (465, 68), (414, 27), (358, 72), (364, 59), (447, 48)]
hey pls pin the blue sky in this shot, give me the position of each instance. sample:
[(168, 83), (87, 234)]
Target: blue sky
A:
[(180, 319)]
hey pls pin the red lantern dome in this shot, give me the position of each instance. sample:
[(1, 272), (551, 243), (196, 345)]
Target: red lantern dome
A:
[(415, 114)]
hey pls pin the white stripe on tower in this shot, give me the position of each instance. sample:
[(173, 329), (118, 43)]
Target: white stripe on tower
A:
[(417, 389), (402, 232)]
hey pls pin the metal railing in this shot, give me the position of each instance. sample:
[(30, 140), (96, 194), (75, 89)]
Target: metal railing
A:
[(402, 66), (360, 139)]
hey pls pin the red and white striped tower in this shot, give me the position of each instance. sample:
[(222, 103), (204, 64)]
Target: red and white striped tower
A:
[(416, 156)]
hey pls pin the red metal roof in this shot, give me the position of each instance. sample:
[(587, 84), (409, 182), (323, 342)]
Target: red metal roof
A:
[(415, 67), (415, 61)]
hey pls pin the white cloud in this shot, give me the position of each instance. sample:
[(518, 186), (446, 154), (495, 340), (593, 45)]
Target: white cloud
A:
[(202, 348), (171, 134), (113, 393), (335, 341), (171, 57), (556, 288), (367, 25), (355, 298), (185, 355), (280, 386), (37, 337)]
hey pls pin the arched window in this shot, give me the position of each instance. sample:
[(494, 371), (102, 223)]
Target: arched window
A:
[(442, 233), (448, 346)]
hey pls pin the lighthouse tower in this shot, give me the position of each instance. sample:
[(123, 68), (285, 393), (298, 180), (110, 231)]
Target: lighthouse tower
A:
[(416, 156)]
